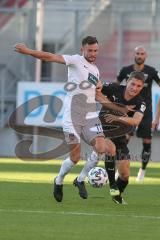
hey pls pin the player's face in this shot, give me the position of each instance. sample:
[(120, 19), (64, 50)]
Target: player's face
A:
[(140, 55), (134, 87), (90, 52)]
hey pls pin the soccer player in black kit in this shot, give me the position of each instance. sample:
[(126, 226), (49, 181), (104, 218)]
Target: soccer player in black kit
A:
[(120, 124), (144, 129)]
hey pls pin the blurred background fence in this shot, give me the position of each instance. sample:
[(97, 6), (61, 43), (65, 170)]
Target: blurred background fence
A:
[(119, 25)]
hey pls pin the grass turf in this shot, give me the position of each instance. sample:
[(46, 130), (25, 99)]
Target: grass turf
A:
[(28, 210)]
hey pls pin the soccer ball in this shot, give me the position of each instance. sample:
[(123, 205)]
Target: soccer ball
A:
[(97, 177)]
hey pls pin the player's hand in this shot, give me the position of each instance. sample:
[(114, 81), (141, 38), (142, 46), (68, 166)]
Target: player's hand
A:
[(99, 96), (21, 48), (109, 118), (99, 86), (155, 124), (130, 108)]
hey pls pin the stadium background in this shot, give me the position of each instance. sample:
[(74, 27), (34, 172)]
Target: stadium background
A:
[(119, 25)]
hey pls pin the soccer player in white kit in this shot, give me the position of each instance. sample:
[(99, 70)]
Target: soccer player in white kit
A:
[(80, 116)]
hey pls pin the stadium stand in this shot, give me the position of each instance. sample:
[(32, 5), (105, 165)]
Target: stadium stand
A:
[(9, 4), (107, 61)]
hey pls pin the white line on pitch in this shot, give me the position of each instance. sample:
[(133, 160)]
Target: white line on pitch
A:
[(78, 213)]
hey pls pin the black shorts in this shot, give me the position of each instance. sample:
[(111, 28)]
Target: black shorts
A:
[(122, 151), (144, 129)]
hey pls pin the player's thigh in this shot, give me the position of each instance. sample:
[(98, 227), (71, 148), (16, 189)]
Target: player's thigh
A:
[(101, 145), (72, 133), (93, 134), (92, 130)]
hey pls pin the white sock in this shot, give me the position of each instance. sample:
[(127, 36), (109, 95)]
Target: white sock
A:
[(65, 168), (90, 163)]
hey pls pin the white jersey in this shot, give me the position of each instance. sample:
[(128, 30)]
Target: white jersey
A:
[(80, 70)]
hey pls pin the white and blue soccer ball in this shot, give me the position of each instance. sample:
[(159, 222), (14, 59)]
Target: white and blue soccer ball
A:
[(97, 177)]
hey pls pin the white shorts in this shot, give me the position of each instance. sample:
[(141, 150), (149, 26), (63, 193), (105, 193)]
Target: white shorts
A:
[(88, 131)]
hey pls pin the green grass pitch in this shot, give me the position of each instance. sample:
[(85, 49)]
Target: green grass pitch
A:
[(29, 212)]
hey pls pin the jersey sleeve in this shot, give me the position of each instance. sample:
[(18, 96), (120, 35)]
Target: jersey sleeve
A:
[(71, 59), (141, 107)]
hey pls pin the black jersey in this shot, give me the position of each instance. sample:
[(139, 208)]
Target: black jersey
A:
[(115, 93), (151, 74)]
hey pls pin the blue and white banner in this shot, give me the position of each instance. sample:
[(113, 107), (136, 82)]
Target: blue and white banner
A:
[(155, 97), (49, 112), (41, 104)]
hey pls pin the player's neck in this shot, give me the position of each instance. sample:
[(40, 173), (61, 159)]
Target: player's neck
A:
[(138, 67)]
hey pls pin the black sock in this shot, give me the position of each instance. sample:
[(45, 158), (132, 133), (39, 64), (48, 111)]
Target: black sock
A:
[(122, 184), (146, 153), (110, 168)]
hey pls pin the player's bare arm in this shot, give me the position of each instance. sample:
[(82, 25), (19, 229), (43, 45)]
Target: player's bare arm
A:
[(101, 98), (45, 56), (133, 121)]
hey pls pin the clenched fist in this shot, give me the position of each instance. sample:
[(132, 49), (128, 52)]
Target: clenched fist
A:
[(21, 48)]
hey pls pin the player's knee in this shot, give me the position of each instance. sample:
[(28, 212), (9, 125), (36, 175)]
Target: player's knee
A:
[(147, 140), (124, 176), (100, 149), (75, 159), (111, 150), (99, 145)]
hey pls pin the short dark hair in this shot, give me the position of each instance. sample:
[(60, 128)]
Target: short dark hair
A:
[(89, 40), (138, 75)]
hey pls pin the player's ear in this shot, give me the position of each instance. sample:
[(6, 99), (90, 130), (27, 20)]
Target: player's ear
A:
[(81, 50)]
